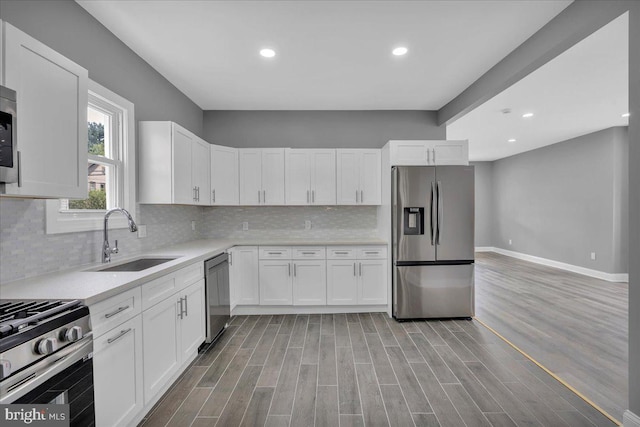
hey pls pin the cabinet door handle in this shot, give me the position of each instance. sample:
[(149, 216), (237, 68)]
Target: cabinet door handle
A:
[(118, 310), (194, 194), (186, 305), (361, 196), (354, 268), (294, 270), (434, 156), (428, 156), (289, 269), (214, 196), (313, 196), (258, 196), (264, 196), (180, 316), (356, 196), (120, 335), (230, 258), (307, 196), (360, 268)]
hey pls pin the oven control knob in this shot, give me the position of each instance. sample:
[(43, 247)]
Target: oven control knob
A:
[(47, 346), (73, 334)]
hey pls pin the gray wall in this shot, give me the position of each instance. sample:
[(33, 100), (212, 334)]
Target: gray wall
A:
[(484, 203), (564, 201), (69, 29), (318, 129)]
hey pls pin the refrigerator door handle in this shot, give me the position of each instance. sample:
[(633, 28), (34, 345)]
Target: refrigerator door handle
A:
[(431, 205), (440, 212)]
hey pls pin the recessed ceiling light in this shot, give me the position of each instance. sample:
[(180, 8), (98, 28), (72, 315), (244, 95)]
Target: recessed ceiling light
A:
[(527, 115), (268, 53), (511, 140), (626, 115), (400, 50)]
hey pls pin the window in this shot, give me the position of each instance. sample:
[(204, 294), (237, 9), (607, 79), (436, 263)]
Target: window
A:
[(110, 167)]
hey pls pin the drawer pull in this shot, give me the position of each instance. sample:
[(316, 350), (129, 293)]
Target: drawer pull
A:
[(113, 313), (274, 253), (341, 253), (372, 252), (120, 335), (309, 253)]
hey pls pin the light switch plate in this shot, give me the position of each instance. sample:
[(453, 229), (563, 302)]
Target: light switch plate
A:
[(245, 226), (142, 231), (307, 225)]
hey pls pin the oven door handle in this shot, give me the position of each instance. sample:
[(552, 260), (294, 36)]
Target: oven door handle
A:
[(16, 386)]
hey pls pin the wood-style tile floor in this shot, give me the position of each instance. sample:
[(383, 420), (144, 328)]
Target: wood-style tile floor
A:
[(574, 325), (366, 370)]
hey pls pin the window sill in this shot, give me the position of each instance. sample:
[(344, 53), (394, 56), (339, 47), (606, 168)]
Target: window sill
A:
[(73, 222)]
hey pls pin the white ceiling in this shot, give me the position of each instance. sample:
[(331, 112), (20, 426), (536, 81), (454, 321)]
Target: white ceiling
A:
[(583, 90), (331, 55)]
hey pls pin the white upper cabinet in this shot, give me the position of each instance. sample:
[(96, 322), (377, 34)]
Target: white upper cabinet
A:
[(358, 177), (224, 176), (430, 153), (52, 118), (200, 171), (174, 165), (310, 176), (261, 176)]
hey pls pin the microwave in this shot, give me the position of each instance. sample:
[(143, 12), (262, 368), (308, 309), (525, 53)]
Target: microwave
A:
[(8, 132)]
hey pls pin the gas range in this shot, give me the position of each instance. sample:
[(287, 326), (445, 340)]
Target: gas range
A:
[(32, 330)]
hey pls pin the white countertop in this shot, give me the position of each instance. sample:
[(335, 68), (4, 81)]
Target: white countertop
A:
[(94, 286)]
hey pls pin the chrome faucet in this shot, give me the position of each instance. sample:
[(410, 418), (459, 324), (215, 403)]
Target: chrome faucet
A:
[(106, 249)]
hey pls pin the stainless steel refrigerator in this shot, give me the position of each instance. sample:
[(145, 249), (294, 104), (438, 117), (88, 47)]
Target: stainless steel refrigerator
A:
[(433, 241)]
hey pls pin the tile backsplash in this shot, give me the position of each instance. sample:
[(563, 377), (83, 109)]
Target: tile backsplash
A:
[(26, 250), (327, 222)]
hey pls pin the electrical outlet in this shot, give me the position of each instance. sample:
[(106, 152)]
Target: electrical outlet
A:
[(245, 226), (307, 225), (142, 231), (193, 225), (593, 256), (510, 242)]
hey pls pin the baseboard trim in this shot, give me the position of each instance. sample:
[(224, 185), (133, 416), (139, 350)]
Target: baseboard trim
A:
[(609, 277), (309, 309), (484, 249), (629, 419)]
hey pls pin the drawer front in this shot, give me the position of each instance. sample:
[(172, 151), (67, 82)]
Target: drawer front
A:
[(341, 252), (275, 252), (108, 314), (190, 275), (373, 252), (308, 252), (158, 290)]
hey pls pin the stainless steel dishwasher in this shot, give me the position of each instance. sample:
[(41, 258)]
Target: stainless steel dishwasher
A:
[(217, 295)]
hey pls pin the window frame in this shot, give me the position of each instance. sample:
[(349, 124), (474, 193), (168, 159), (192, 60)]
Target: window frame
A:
[(77, 220)]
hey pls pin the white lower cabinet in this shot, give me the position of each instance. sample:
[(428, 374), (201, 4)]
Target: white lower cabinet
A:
[(372, 282), (118, 377), (243, 276), (162, 353), (360, 279), (173, 331), (342, 282), (310, 282), (309, 276), (192, 326), (276, 285)]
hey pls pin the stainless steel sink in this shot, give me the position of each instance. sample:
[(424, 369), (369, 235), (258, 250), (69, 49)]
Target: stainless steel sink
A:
[(136, 264)]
